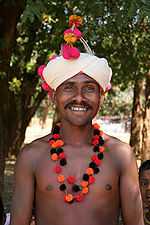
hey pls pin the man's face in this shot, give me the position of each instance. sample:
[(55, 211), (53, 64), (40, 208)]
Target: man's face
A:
[(78, 99), (145, 186)]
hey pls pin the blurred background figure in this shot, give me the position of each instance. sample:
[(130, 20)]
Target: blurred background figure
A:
[(144, 177), (2, 214)]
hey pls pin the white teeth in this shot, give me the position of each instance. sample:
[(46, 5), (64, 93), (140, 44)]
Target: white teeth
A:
[(81, 109)]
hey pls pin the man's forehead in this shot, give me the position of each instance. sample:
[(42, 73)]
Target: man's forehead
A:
[(81, 77)]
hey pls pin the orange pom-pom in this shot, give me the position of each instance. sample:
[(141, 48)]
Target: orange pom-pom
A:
[(90, 171), (84, 183), (85, 190), (57, 144), (68, 198), (101, 149), (96, 126), (54, 157), (61, 178)]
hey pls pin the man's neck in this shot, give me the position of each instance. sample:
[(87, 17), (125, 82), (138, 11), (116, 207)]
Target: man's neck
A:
[(76, 135)]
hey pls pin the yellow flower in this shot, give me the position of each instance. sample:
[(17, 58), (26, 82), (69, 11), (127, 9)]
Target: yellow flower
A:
[(70, 38), (75, 20)]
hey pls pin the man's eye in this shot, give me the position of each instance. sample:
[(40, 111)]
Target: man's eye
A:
[(90, 88), (68, 88), (144, 183)]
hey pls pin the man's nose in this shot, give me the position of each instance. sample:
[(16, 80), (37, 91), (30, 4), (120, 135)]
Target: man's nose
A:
[(79, 96)]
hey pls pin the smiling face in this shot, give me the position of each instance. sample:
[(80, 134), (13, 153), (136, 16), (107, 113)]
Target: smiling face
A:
[(145, 186), (78, 99)]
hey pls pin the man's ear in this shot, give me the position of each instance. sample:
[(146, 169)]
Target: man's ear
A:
[(53, 97), (102, 97)]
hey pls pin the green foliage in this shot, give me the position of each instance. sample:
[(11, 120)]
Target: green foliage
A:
[(117, 103), (118, 30), (33, 10), (15, 85)]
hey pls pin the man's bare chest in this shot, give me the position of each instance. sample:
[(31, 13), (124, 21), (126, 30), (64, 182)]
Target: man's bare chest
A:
[(106, 183)]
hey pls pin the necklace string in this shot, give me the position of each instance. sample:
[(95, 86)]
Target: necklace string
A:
[(78, 189)]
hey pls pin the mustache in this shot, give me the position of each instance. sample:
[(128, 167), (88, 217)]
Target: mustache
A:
[(83, 103), (148, 192)]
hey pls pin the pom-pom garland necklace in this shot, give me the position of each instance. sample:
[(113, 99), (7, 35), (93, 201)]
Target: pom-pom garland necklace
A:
[(79, 191)]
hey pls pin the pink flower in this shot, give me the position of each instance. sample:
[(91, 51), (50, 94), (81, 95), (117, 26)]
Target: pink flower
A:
[(108, 87), (70, 52), (45, 86), (40, 70), (76, 32)]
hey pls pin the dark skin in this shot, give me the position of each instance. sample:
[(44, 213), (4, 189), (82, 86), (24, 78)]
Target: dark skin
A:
[(145, 191), (78, 100), (145, 187)]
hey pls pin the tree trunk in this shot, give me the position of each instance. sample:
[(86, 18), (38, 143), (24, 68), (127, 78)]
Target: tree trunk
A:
[(137, 119), (146, 124), (9, 14)]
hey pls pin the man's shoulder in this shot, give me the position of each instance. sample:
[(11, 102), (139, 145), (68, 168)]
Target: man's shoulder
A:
[(36, 144), (116, 145), (120, 151), (32, 151)]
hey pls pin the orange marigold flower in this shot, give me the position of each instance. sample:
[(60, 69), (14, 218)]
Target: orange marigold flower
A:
[(101, 149), (61, 178), (85, 190), (68, 198), (70, 38), (54, 157), (84, 183), (57, 144), (75, 20), (89, 171), (96, 126)]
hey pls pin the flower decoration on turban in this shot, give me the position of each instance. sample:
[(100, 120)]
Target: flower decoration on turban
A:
[(44, 84), (71, 36), (71, 62)]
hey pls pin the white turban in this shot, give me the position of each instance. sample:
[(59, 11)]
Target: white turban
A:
[(59, 70)]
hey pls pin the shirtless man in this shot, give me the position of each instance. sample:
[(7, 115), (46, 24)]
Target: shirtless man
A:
[(144, 177), (77, 174)]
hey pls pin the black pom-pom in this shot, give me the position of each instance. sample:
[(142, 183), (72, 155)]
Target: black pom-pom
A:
[(92, 165), (59, 150), (56, 130), (51, 139), (53, 150), (100, 155), (85, 177), (96, 132), (96, 170), (71, 201), (101, 141), (63, 162), (75, 188), (62, 187), (96, 148)]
